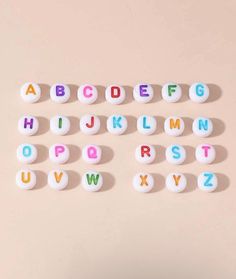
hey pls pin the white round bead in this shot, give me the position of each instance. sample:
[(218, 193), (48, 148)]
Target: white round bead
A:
[(143, 182), (89, 124), (198, 92), (28, 125), (202, 127), (26, 153), (174, 126), (146, 124), (175, 154), (207, 181), (30, 92), (115, 94), (171, 92), (60, 93), (92, 154), (59, 125), (92, 181), (145, 154), (87, 94), (25, 179), (205, 153), (57, 179), (143, 93), (176, 182), (117, 124), (59, 153)]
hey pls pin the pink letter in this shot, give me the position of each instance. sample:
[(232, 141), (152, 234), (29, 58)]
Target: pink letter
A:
[(92, 152), (206, 148), (88, 88), (59, 149)]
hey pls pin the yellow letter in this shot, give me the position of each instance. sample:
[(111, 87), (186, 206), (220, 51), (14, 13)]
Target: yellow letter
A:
[(23, 177)]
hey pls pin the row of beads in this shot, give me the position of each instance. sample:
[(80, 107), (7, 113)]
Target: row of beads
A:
[(93, 181), (115, 94), (92, 154), (116, 124)]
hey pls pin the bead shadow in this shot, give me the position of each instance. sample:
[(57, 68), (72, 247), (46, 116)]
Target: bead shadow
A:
[(190, 154), (218, 127), (191, 183), (159, 182), (215, 93), (188, 122), (73, 93), (103, 123), (73, 181), (160, 154), (41, 178), (185, 93), (132, 124), (101, 94), (43, 125), (74, 153), (157, 93), (45, 92), (108, 181), (128, 95), (223, 182), (221, 154), (107, 154), (42, 153), (74, 125)]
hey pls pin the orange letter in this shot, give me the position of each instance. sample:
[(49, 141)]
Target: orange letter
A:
[(174, 124), (176, 179), (143, 180), (30, 90), (58, 177)]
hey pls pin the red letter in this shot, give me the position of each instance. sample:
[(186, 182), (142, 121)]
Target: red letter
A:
[(145, 150), (113, 93)]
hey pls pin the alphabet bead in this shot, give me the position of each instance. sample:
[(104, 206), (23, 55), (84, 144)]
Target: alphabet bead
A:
[(60, 93), (115, 94), (198, 92), (174, 126), (205, 153), (26, 153), (202, 127), (58, 179), (143, 93), (26, 179), (117, 124), (171, 92), (92, 181), (207, 181), (30, 92), (176, 182), (28, 125), (175, 154), (145, 154), (146, 124), (143, 182), (89, 124), (87, 94), (59, 153), (92, 154), (59, 125)]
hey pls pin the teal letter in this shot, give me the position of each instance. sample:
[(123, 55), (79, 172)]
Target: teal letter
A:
[(203, 124), (116, 122), (200, 90), (175, 150), (27, 151), (145, 126), (209, 177)]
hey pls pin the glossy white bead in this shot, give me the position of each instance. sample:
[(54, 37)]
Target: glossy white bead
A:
[(174, 126), (60, 93), (143, 182), (92, 154), (30, 92), (205, 153), (59, 125), (26, 179), (28, 125), (202, 127), (89, 124), (198, 92), (171, 92), (145, 154), (207, 181), (117, 124), (87, 94), (26, 153), (59, 153), (143, 93), (175, 154), (176, 182), (146, 124), (92, 181), (115, 94), (57, 179)]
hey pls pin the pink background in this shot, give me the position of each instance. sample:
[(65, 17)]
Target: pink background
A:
[(118, 233)]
